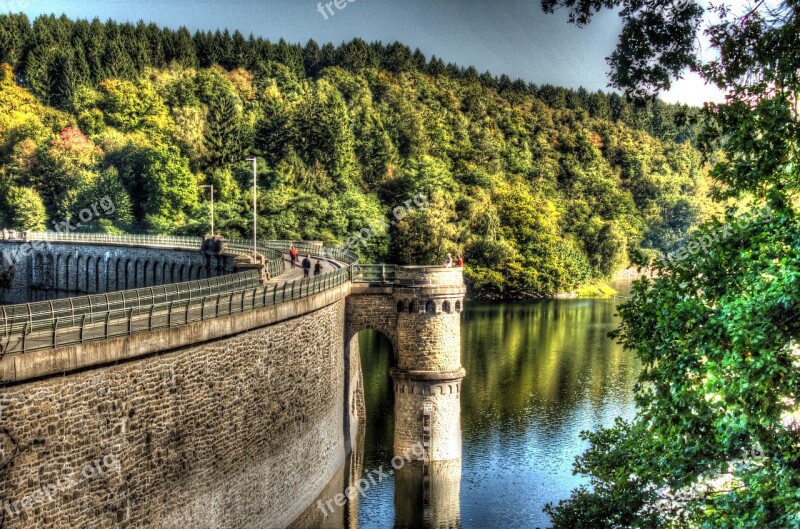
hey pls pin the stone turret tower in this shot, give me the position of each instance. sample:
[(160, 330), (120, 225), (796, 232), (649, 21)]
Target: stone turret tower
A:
[(427, 379)]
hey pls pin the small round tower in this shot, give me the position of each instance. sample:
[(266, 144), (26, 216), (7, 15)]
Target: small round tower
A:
[(427, 379)]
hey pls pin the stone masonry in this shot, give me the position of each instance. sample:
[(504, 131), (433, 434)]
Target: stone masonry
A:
[(241, 432), (421, 316), (42, 270)]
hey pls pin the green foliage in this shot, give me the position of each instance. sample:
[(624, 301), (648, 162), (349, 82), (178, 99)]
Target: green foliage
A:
[(540, 188), (25, 209), (715, 442)]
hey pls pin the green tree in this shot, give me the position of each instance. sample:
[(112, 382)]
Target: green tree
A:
[(25, 209), (714, 443)]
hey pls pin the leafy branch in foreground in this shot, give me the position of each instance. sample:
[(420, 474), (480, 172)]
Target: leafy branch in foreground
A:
[(715, 441)]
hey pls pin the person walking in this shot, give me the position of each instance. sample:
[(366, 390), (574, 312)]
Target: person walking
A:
[(306, 266), (448, 263), (293, 256), (318, 268), (459, 261)]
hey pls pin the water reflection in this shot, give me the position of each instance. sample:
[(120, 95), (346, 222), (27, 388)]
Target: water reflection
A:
[(538, 373), (428, 495)]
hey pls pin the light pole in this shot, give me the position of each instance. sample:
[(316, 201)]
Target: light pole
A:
[(255, 190), (213, 233)]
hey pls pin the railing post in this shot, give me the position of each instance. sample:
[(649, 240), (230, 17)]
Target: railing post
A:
[(130, 320), (108, 322), (55, 333), (83, 326), (150, 318), (169, 314)]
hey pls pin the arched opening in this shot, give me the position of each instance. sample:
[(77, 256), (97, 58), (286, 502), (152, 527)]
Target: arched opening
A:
[(412, 307), (401, 306), (430, 307), (80, 271), (377, 358), (458, 306), (446, 307)]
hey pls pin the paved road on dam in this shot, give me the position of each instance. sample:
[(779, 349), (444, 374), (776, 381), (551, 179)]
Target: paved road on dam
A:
[(70, 330)]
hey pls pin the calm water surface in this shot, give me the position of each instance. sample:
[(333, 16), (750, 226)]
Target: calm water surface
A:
[(538, 373)]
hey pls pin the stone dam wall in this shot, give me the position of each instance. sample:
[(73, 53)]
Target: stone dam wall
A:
[(239, 432), (41, 270)]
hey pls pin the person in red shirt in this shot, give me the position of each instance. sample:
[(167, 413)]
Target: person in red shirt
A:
[(459, 261), (293, 255)]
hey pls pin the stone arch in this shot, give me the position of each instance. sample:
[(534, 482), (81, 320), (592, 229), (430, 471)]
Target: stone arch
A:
[(49, 271), (430, 307), (446, 307), (412, 307), (80, 267), (401, 306), (458, 306), (36, 269), (91, 274), (69, 266), (182, 273), (60, 269), (130, 273)]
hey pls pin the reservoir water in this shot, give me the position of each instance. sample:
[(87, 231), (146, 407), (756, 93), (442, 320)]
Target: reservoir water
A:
[(538, 373)]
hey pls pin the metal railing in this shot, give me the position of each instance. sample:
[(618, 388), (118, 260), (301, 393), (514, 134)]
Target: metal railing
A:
[(16, 318), (115, 322), (382, 274), (48, 324), (133, 240)]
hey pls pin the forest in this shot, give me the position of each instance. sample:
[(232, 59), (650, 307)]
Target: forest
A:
[(541, 188)]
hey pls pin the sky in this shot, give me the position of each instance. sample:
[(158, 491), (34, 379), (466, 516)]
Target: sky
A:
[(512, 37)]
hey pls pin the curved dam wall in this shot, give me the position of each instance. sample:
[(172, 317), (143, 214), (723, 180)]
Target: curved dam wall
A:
[(241, 429), (40, 270)]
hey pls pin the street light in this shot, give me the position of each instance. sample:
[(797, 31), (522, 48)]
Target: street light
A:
[(212, 207), (254, 160)]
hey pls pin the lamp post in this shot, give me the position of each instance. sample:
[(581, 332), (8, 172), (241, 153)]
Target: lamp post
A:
[(255, 190), (211, 186)]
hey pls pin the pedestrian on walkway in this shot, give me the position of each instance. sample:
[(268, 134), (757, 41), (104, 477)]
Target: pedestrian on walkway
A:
[(293, 256), (448, 263), (318, 268), (459, 261), (306, 266)]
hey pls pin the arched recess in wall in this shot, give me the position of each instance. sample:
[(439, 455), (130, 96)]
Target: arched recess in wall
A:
[(69, 268), (60, 269), (99, 264), (49, 271), (80, 272), (430, 307), (91, 275)]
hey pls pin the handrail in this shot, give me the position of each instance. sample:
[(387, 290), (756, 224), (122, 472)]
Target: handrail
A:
[(125, 321), (49, 324)]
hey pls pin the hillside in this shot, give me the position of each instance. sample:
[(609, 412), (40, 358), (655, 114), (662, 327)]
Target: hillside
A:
[(541, 188)]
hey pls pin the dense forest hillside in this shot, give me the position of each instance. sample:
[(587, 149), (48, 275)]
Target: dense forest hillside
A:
[(541, 188)]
